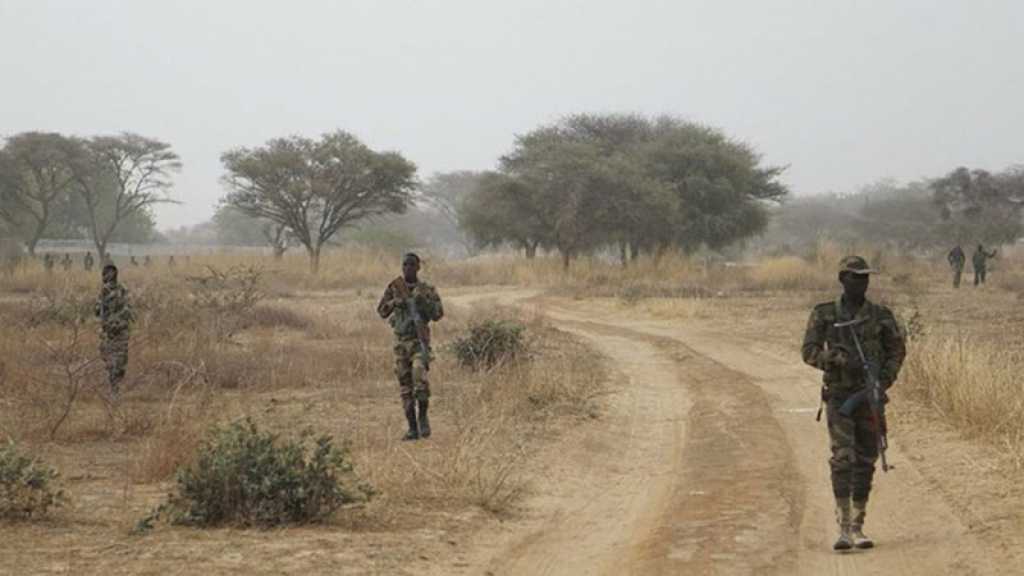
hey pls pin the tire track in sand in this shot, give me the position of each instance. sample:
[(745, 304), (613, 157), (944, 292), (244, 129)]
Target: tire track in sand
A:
[(708, 461), (686, 472)]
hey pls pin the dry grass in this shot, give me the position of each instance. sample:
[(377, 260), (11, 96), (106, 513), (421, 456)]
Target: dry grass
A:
[(790, 273), (314, 352), (974, 385)]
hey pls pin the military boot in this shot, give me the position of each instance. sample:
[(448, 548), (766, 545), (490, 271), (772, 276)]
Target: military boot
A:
[(860, 540), (409, 405), (424, 421), (845, 540)]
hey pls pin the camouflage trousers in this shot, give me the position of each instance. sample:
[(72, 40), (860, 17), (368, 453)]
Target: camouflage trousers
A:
[(979, 276), (114, 352), (854, 451), (411, 371), (958, 272)]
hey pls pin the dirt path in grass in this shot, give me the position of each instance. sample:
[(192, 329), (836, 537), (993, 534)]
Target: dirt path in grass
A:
[(708, 460)]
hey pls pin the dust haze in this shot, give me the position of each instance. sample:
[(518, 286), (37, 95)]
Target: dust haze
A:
[(617, 252), (843, 95)]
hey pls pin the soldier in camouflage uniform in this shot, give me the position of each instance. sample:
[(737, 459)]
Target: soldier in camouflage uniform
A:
[(115, 314), (412, 362), (87, 262), (830, 349), (957, 259), (980, 260)]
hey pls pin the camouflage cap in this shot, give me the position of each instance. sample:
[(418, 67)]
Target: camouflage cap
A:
[(855, 264)]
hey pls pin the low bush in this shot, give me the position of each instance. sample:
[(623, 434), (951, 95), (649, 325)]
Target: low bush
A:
[(489, 343), (249, 477), (27, 487)]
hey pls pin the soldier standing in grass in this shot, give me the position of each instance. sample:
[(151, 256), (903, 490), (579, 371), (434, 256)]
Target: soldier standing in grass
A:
[(66, 263), (980, 260), (830, 349), (115, 314), (87, 262), (957, 259), (405, 296)]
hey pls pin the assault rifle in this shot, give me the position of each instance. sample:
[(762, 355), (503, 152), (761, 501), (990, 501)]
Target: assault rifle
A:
[(421, 327), (872, 393)]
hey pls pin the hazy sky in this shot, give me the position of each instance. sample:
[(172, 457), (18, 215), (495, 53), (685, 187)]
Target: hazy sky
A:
[(844, 92)]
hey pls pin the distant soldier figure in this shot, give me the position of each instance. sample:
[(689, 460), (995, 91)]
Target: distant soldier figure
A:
[(831, 349), (133, 261), (88, 262), (147, 261), (405, 296), (957, 259), (170, 262), (66, 263), (980, 260), (48, 262), (115, 314)]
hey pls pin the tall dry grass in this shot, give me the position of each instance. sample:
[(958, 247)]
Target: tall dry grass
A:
[(973, 385)]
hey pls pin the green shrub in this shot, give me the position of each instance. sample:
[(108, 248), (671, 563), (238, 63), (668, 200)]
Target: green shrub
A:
[(27, 487), (248, 477), (490, 343)]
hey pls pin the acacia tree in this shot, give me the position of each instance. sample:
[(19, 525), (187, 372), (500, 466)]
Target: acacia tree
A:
[(565, 187), (316, 188), (35, 176), (10, 218), (501, 212), (121, 177), (596, 180), (723, 191)]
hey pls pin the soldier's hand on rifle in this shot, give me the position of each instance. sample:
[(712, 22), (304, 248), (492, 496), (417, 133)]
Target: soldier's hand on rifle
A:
[(421, 302), (836, 357)]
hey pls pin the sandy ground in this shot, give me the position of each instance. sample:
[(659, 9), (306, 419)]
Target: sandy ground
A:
[(709, 461)]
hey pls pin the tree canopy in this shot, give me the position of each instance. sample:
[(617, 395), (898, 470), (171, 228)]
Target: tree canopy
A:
[(65, 187), (314, 188), (590, 181)]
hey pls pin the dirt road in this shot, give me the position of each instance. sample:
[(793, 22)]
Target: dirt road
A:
[(709, 461)]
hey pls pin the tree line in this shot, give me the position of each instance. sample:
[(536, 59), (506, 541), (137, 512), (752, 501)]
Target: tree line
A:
[(100, 188), (624, 183), (963, 206)]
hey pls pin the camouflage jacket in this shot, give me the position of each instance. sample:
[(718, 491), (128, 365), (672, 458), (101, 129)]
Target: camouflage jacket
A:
[(879, 335), (114, 310), (956, 257), (428, 304), (980, 259)]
